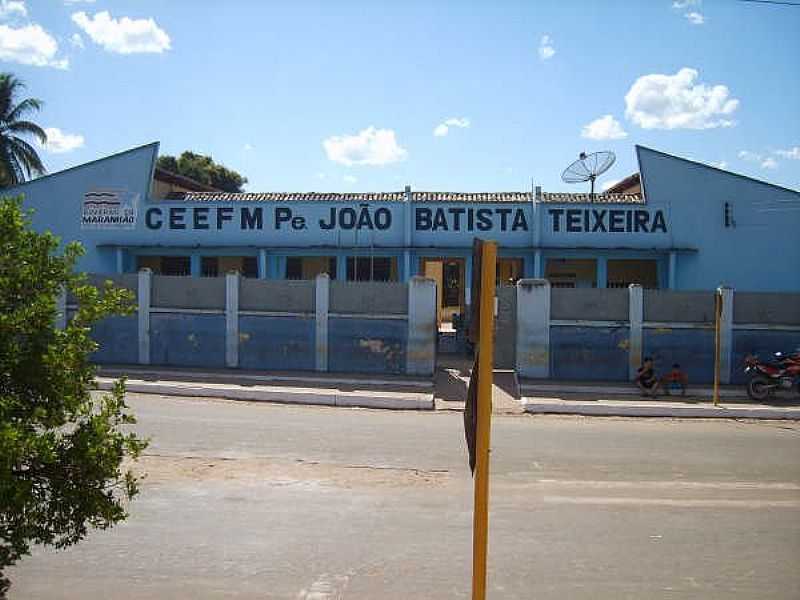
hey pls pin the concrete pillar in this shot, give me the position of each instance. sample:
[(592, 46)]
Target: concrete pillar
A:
[(635, 318), (120, 260), (341, 267), (195, 265), (468, 280), (538, 269), (145, 282), (673, 267), (406, 265), (422, 330), (602, 272), (533, 328), (232, 320), (726, 335), (263, 268), (61, 309), (322, 304)]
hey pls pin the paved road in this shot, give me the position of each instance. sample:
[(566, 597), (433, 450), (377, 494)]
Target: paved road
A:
[(267, 501)]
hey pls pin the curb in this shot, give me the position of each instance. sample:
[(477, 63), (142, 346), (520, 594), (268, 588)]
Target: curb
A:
[(281, 395), (595, 409), (537, 389)]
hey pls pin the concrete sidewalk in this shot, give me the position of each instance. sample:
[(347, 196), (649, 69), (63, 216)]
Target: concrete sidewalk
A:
[(320, 389)]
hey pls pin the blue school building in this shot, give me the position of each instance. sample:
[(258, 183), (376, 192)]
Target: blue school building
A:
[(678, 225)]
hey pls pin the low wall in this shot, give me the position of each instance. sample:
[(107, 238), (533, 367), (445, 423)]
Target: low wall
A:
[(233, 322), (584, 334)]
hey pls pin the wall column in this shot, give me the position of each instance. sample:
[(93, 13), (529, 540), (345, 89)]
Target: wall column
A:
[(533, 328), (468, 280), (120, 260), (145, 282), (195, 265), (262, 264), (422, 330), (232, 320), (635, 318), (726, 335), (673, 266), (602, 272), (341, 267), (538, 268), (322, 304)]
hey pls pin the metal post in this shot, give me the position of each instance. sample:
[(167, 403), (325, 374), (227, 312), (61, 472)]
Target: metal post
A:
[(717, 353), (480, 524)]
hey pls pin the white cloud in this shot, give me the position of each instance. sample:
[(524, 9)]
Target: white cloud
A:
[(30, 45), (247, 147), (370, 146), (769, 163), (754, 157), (350, 179), (442, 129), (681, 4), (12, 8), (76, 40), (676, 102), (546, 50), (59, 142), (790, 153), (125, 35), (695, 18), (604, 128), (720, 164)]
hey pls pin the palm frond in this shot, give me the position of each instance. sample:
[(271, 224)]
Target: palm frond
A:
[(26, 106), (29, 128), (27, 156)]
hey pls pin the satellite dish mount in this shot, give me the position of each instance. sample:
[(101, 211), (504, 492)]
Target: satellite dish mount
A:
[(588, 167)]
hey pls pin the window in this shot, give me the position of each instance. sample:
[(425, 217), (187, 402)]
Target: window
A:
[(209, 266), (294, 267), (250, 267), (572, 272), (371, 268), (176, 265), (308, 267), (623, 272)]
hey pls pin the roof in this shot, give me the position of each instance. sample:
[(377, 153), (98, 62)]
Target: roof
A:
[(417, 197), (605, 198), (624, 184), (182, 181)]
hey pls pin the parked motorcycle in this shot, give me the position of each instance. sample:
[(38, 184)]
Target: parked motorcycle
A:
[(766, 378)]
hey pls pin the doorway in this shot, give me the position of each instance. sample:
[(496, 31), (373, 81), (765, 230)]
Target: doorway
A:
[(448, 273)]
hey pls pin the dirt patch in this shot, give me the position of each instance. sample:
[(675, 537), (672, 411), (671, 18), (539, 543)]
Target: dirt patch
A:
[(166, 468)]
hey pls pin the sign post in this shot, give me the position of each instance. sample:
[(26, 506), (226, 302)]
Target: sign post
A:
[(478, 412), (717, 354)]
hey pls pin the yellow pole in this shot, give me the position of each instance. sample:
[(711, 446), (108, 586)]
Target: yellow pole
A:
[(480, 517), (717, 319)]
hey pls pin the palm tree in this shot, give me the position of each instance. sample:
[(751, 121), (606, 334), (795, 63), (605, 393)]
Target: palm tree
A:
[(18, 159)]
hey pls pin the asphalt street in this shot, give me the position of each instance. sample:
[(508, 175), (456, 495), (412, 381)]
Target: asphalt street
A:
[(248, 500)]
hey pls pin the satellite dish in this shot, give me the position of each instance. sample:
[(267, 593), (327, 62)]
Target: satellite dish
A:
[(588, 167)]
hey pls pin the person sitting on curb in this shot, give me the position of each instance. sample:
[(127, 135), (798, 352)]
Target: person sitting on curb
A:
[(675, 379), (646, 378)]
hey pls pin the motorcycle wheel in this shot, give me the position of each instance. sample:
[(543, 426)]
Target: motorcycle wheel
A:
[(758, 388)]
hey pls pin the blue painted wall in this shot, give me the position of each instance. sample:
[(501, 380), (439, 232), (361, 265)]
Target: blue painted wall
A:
[(276, 343), (689, 197), (187, 340), (118, 338), (367, 345), (767, 225), (589, 353), (693, 349)]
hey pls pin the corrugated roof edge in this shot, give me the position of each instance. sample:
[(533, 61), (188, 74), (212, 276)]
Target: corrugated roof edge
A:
[(420, 197)]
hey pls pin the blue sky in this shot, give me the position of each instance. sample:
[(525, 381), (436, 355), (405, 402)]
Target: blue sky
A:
[(349, 95)]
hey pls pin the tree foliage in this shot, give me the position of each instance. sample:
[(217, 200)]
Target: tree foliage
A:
[(18, 158), (202, 168), (63, 450)]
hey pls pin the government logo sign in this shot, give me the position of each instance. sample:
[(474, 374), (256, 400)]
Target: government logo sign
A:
[(109, 209)]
